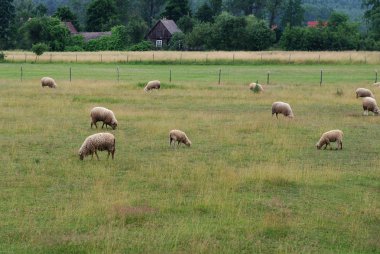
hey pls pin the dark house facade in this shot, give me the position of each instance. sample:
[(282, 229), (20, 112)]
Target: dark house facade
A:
[(161, 33)]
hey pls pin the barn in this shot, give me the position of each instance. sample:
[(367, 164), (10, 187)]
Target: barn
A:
[(161, 33)]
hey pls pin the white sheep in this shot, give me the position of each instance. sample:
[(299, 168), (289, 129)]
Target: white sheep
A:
[(363, 92), (104, 115), (49, 82), (331, 136), (282, 108), (154, 84), (256, 86), (97, 142), (178, 136), (369, 104)]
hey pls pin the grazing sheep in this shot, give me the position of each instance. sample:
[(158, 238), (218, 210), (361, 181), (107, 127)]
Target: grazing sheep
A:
[(49, 82), (154, 84), (179, 136), (282, 108), (104, 115), (256, 87), (331, 136), (364, 92), (369, 104), (100, 141)]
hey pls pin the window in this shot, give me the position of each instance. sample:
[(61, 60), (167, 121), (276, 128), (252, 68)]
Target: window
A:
[(158, 43)]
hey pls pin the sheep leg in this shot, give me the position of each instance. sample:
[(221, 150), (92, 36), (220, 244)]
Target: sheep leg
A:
[(170, 141), (103, 125), (96, 155), (277, 115), (113, 153)]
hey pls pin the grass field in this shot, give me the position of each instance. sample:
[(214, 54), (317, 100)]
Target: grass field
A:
[(191, 57), (250, 183)]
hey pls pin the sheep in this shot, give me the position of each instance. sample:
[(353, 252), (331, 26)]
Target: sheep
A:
[(376, 84), (369, 104), (100, 141), (49, 82), (105, 115), (154, 84), (282, 108), (179, 136), (331, 136), (256, 87), (363, 92)]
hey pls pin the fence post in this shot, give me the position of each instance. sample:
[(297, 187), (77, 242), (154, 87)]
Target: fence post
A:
[(118, 74), (206, 57), (290, 56), (233, 58), (70, 74), (319, 59), (180, 59), (153, 57), (170, 76), (25, 58), (268, 74), (50, 57), (321, 80), (76, 58), (220, 73), (21, 74), (376, 77), (101, 58)]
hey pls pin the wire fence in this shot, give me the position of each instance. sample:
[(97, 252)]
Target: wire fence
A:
[(200, 74)]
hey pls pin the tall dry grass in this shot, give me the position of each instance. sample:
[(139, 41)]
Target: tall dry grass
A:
[(199, 56)]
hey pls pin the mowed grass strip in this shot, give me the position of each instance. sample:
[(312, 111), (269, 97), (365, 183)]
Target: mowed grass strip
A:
[(249, 183)]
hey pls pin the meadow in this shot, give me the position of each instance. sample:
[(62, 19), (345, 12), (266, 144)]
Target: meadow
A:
[(250, 183)]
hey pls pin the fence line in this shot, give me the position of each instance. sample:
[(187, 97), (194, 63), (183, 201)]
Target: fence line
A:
[(199, 57)]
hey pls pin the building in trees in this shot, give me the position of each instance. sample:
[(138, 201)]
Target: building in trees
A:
[(86, 35), (161, 33)]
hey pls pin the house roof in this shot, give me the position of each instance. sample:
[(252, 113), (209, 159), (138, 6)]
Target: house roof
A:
[(71, 27), (171, 26), (316, 23), (93, 35)]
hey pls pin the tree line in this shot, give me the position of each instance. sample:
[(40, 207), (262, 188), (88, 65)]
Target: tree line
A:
[(213, 25)]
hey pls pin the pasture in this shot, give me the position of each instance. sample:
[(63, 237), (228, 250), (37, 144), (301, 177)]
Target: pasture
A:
[(250, 183)]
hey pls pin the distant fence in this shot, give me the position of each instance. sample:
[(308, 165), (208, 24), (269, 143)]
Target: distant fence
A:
[(210, 57)]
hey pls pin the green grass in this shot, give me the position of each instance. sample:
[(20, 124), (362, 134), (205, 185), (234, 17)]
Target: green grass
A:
[(250, 183)]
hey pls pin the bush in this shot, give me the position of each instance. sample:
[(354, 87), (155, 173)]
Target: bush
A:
[(2, 57), (142, 46), (177, 42), (39, 48), (74, 48)]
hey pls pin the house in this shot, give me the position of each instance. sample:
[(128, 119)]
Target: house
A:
[(86, 35), (161, 33), (316, 23)]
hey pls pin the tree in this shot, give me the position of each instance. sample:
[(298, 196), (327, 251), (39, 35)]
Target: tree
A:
[(7, 12), (65, 14), (150, 10), (48, 30), (293, 15), (258, 35), (175, 9), (186, 23), (204, 13), (41, 10), (216, 6), (101, 15), (136, 30), (39, 49), (273, 10), (372, 15)]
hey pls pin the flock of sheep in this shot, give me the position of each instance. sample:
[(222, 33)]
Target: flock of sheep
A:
[(106, 141)]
